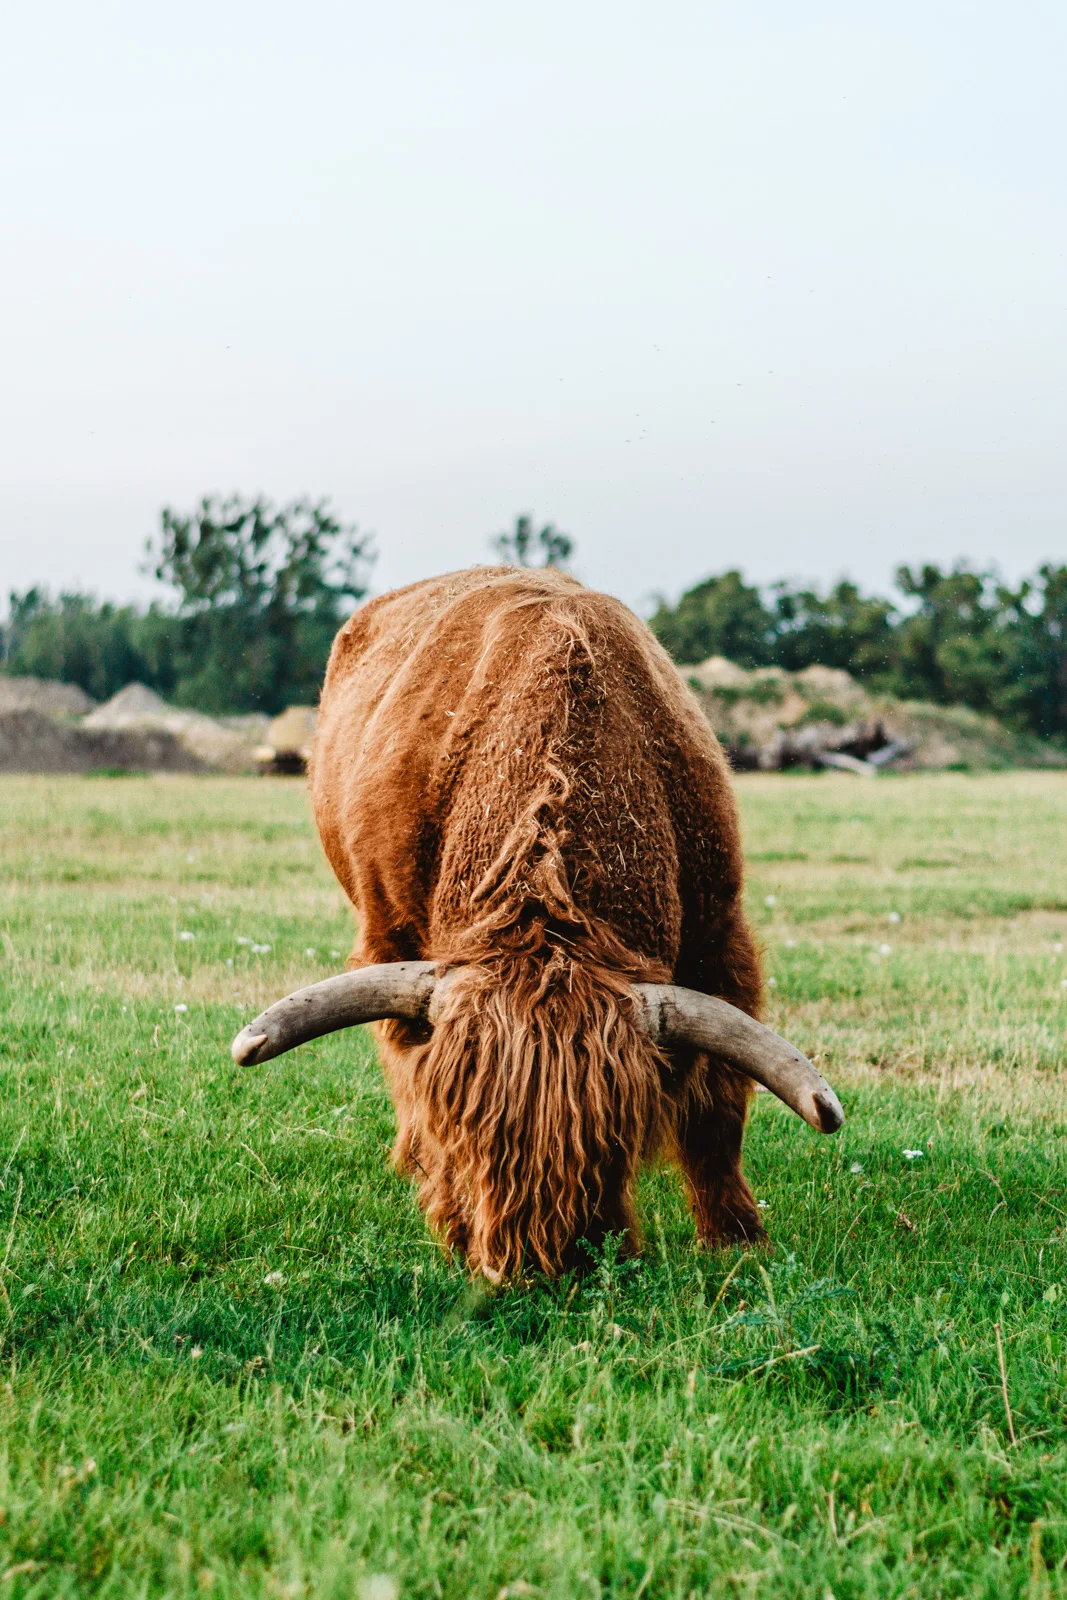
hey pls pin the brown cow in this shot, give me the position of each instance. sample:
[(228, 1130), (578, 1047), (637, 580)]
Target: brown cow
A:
[(537, 830)]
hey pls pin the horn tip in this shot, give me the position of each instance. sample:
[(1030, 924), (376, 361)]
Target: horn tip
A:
[(245, 1047), (828, 1111)]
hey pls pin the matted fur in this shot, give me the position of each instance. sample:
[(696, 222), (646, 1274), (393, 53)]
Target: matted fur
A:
[(510, 779), (537, 1098)]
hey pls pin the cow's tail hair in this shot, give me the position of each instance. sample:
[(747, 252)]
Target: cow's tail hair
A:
[(535, 1101)]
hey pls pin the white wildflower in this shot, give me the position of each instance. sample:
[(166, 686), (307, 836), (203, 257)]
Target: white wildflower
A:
[(764, 1205), (790, 944), (772, 983), (181, 1007), (857, 1166), (185, 936), (229, 961), (311, 954), (244, 941), (885, 949), (771, 900), (261, 949), (894, 916), (912, 1155), (379, 1586), (274, 1280)]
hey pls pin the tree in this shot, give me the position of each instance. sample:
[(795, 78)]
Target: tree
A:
[(950, 647), (723, 616), (841, 629), (261, 592), (521, 546), (1033, 693), (78, 640), (957, 637)]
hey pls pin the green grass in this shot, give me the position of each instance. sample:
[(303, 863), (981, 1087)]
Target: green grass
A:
[(233, 1362)]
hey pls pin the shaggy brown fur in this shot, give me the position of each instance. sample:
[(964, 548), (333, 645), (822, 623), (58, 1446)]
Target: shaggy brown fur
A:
[(510, 777)]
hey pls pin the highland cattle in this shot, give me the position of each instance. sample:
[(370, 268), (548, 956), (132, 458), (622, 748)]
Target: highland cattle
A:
[(537, 830)]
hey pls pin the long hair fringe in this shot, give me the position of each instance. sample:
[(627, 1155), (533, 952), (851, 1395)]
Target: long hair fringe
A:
[(538, 1094)]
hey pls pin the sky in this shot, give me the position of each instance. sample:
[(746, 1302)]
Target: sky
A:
[(705, 285)]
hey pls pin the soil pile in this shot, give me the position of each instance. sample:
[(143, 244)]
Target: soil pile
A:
[(55, 727), (130, 707), (45, 695), (219, 746), (31, 741), (769, 720)]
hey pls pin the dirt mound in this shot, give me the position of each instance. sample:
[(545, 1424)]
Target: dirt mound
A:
[(832, 686), (943, 737), (44, 694), (131, 706), (31, 741), (747, 709), (251, 725), (216, 745), (768, 720)]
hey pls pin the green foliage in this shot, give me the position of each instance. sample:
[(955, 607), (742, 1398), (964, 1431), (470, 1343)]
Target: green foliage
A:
[(988, 646), (259, 593), (79, 640), (768, 690), (825, 711), (722, 616), (952, 638), (840, 629), (522, 547), (234, 1363)]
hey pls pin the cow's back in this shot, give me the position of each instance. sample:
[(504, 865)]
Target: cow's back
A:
[(470, 718)]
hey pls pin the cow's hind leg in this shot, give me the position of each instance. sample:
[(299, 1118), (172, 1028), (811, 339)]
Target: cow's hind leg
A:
[(711, 1128)]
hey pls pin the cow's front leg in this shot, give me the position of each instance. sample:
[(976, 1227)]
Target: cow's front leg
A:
[(711, 1129)]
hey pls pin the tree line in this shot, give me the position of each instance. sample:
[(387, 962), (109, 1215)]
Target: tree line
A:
[(257, 593), (957, 637)]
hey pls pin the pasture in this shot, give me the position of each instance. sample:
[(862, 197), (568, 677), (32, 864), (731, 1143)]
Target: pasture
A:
[(232, 1362)]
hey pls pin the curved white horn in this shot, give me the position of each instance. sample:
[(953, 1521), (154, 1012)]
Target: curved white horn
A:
[(674, 1015), (671, 1015), (370, 994)]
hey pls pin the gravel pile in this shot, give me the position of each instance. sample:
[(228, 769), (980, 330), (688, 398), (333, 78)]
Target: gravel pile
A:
[(43, 694), (215, 745), (31, 741), (769, 720)]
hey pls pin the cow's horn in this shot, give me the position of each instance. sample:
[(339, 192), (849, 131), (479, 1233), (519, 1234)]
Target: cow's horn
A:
[(370, 994), (684, 1016), (671, 1015)]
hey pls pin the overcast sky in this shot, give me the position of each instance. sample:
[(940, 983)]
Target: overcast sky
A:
[(771, 285)]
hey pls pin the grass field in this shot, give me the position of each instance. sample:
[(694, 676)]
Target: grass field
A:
[(233, 1363)]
